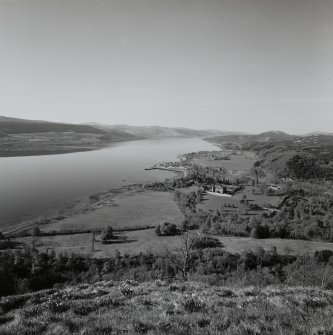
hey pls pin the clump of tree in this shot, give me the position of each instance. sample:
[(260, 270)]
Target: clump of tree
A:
[(189, 224), (167, 229), (6, 244), (260, 231), (36, 231), (188, 202), (203, 242), (308, 167), (106, 234), (26, 271)]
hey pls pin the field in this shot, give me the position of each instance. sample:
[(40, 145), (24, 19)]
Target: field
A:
[(215, 202), (135, 207), (110, 307), (137, 241), (123, 209), (283, 246), (147, 240), (236, 165), (262, 200), (120, 209)]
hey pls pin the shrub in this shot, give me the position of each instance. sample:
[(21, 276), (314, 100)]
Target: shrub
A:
[(167, 229), (127, 291), (11, 303), (260, 231), (193, 304), (206, 242), (158, 230), (32, 311), (82, 309), (107, 234), (6, 245), (36, 231), (5, 318), (58, 307), (141, 327)]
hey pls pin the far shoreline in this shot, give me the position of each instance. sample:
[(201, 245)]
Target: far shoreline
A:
[(58, 151)]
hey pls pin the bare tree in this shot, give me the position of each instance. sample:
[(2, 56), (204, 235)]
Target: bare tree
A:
[(93, 239), (181, 256)]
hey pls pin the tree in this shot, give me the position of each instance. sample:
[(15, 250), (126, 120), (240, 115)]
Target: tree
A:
[(36, 231), (167, 229), (203, 242), (260, 231), (107, 234), (181, 257), (158, 230), (244, 200), (206, 225)]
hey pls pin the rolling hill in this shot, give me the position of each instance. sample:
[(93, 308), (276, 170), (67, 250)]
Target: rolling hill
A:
[(284, 155), (160, 132), (20, 137)]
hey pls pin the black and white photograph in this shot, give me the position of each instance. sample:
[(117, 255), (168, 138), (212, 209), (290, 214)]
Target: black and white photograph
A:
[(166, 167)]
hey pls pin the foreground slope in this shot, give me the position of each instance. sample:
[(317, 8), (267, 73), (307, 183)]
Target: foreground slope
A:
[(128, 307), (26, 137)]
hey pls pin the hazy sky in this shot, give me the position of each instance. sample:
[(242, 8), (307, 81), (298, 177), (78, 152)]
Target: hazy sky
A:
[(248, 65)]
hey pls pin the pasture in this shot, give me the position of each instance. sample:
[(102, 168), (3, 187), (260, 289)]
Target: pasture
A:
[(147, 241), (262, 200), (237, 163), (130, 209), (214, 202)]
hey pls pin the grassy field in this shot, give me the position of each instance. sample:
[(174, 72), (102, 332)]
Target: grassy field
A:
[(133, 208), (214, 202), (147, 240), (137, 241), (283, 246), (236, 163), (260, 199), (110, 307)]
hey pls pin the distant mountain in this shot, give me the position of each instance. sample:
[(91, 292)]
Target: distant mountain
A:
[(160, 132), (241, 139), (13, 119), (274, 135), (20, 137), (21, 126), (316, 133)]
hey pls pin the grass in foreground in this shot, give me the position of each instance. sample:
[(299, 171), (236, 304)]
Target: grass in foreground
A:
[(162, 308)]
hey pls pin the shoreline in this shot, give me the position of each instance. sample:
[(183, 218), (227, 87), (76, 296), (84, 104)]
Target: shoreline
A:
[(40, 152), (84, 204), (179, 171)]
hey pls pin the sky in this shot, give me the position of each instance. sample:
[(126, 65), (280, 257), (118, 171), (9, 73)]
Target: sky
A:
[(242, 65)]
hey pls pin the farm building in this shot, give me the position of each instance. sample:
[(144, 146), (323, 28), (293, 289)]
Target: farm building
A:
[(224, 189)]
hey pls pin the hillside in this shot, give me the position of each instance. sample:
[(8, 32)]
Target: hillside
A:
[(26, 137), (161, 132), (241, 139), (158, 307), (284, 155)]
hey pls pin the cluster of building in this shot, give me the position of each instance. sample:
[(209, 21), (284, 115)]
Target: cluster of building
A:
[(224, 189)]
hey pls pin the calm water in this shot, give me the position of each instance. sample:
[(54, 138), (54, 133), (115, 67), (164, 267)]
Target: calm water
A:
[(31, 186)]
